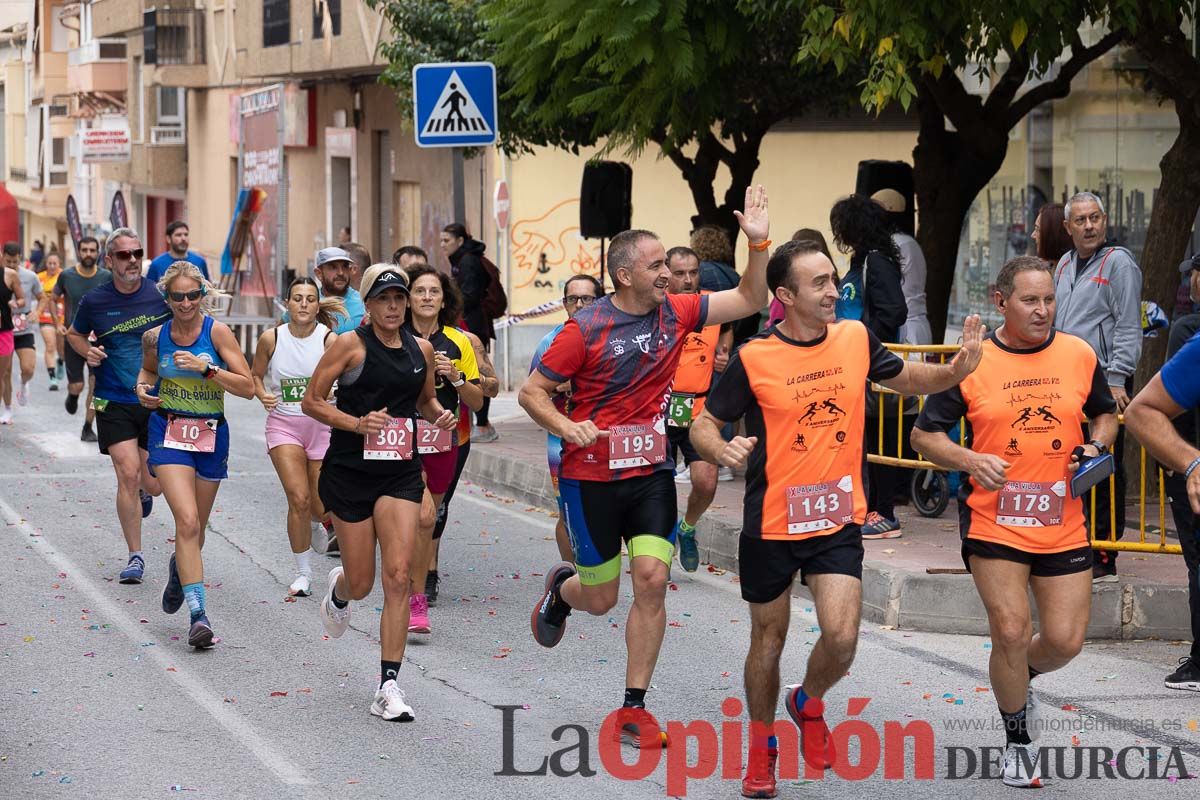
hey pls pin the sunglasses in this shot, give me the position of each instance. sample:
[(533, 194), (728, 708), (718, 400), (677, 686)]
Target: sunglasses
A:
[(128, 255), (193, 295)]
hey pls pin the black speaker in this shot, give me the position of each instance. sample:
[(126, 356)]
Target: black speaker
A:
[(874, 175), (605, 199)]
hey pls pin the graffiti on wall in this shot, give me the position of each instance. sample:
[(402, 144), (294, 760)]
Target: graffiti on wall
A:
[(547, 250)]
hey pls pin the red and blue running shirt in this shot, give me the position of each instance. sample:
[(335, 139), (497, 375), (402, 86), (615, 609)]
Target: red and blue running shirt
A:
[(621, 368)]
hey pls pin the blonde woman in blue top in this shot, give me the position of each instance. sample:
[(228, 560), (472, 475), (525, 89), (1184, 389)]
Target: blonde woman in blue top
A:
[(188, 364)]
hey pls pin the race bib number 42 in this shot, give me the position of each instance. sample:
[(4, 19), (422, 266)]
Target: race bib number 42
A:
[(432, 439), (1030, 504), (292, 389), (393, 443), (193, 434), (637, 445), (820, 506)]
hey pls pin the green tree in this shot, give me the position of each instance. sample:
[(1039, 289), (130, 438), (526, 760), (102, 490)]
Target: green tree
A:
[(929, 53)]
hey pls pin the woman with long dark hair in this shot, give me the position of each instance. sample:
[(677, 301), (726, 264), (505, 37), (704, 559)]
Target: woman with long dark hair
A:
[(872, 291), (1050, 235)]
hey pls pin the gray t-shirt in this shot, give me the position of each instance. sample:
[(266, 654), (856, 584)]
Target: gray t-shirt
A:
[(74, 286), (31, 286)]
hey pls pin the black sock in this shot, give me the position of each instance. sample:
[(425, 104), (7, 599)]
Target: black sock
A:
[(1033, 673), (87, 426), (1014, 727), (336, 600), (50, 371), (388, 671), (635, 698), (558, 589)]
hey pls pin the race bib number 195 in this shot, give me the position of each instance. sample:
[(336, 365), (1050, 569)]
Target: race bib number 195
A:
[(637, 445)]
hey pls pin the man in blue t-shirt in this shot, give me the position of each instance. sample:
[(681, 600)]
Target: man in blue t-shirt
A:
[(333, 271), (178, 238), (115, 316)]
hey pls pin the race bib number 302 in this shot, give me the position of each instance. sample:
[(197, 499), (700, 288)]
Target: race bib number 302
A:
[(820, 506), (194, 434), (393, 443), (1031, 504), (637, 445)]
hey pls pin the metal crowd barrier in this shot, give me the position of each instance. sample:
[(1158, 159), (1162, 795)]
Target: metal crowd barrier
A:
[(880, 454)]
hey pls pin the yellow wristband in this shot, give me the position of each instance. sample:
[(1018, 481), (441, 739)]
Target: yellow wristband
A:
[(761, 246)]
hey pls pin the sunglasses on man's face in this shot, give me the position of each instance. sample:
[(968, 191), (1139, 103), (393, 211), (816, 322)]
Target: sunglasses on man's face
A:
[(193, 295), (129, 255)]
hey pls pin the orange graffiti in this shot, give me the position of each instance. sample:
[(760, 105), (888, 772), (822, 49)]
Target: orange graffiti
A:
[(547, 250)]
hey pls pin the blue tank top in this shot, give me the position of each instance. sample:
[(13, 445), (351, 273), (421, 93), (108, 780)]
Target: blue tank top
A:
[(185, 391)]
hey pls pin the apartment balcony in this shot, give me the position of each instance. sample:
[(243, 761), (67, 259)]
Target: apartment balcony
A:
[(167, 135), (114, 17), (175, 47), (50, 77), (98, 66)]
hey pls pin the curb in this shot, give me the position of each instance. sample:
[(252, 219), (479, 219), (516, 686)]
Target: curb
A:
[(894, 597)]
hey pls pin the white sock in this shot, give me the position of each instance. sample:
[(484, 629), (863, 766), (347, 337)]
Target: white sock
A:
[(304, 563)]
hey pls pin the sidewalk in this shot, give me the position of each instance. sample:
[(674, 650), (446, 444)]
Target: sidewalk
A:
[(1150, 601)]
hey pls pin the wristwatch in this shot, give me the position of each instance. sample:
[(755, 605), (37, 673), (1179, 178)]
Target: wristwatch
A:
[(1100, 446), (210, 370), (461, 380)]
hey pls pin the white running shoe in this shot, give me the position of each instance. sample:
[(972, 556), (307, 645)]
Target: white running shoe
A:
[(320, 538), (301, 587), (724, 474), (23, 394), (6, 416), (389, 704), (336, 619), (1021, 767), (1033, 714)]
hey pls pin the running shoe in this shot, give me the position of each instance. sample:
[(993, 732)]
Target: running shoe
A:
[(1021, 768), (431, 586), (333, 549), (683, 477), (1102, 573), (87, 434), (389, 704), (60, 371), (1033, 714), (689, 553), (6, 416), (549, 618), (818, 753), (53, 385), (418, 613), (320, 538), (725, 474), (172, 596), (630, 732), (336, 619), (71, 403), (134, 570), (760, 773), (301, 587), (485, 435), (23, 394), (147, 502), (200, 635), (880, 527), (1187, 677)]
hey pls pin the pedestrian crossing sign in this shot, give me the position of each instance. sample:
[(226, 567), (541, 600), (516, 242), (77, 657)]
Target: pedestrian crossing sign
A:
[(454, 105)]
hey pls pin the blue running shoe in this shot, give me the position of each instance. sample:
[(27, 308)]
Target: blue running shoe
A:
[(172, 596), (133, 570), (200, 635), (689, 553), (147, 502)]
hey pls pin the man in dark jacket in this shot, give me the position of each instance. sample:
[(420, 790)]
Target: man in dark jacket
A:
[(466, 267)]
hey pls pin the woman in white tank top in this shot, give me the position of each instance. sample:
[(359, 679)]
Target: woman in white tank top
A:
[(283, 363)]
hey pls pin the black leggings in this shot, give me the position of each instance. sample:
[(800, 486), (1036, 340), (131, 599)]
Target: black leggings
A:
[(443, 510), (1189, 538), (481, 416)]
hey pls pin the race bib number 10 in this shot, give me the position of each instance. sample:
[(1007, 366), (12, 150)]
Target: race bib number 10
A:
[(820, 506), (637, 445), (1030, 504), (393, 443), (194, 434)]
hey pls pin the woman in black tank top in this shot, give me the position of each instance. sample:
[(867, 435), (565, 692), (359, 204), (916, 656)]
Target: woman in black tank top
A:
[(10, 287), (371, 477)]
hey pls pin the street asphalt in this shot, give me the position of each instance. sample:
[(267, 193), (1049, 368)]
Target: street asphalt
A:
[(100, 697)]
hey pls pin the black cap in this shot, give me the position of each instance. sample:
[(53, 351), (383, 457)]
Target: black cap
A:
[(387, 279), (1187, 265)]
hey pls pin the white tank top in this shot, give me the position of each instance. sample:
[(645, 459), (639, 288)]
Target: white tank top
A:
[(292, 366)]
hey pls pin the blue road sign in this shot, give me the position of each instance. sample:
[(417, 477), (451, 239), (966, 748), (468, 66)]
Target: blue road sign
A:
[(454, 105)]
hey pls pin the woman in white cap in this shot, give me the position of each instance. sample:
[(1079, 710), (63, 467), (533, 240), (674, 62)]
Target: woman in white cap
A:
[(371, 477)]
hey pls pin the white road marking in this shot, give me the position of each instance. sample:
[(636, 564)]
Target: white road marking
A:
[(208, 700), (62, 444)]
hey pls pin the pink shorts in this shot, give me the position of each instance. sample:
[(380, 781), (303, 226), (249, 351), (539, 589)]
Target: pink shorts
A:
[(439, 470), (6, 343), (300, 430)]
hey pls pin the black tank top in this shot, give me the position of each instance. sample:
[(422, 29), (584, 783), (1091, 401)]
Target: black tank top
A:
[(391, 377), (6, 294)]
